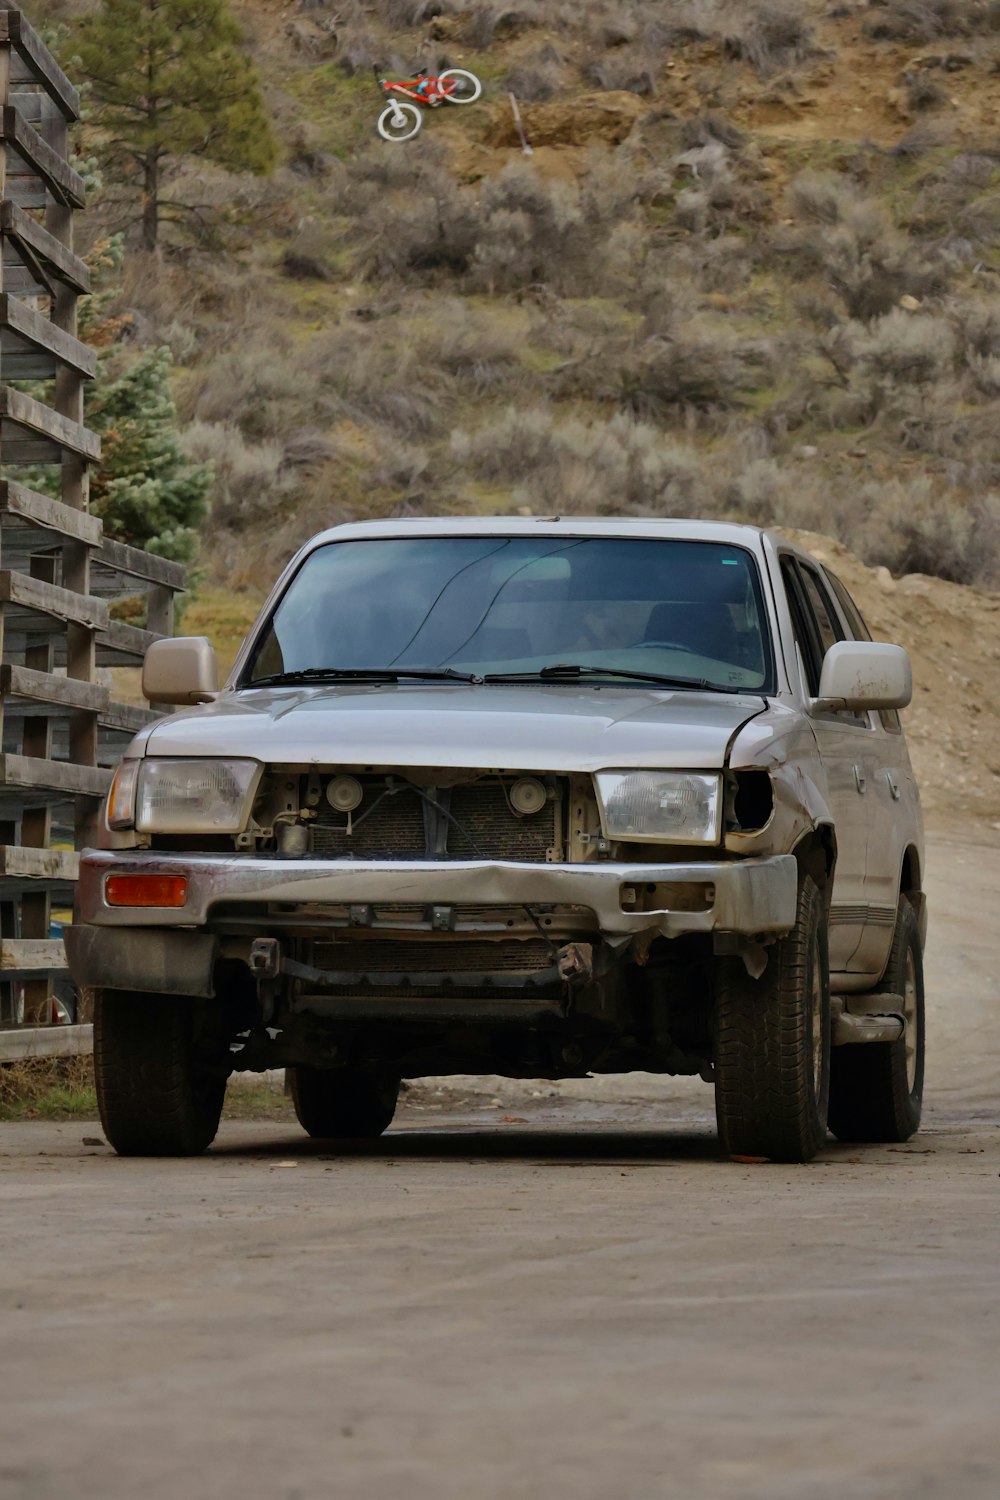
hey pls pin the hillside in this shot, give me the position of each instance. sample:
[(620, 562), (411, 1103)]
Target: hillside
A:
[(750, 269)]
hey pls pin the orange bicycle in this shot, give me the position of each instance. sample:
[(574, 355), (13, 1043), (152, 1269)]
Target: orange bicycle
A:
[(401, 119)]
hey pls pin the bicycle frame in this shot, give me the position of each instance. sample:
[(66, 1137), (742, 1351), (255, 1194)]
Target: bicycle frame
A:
[(432, 93)]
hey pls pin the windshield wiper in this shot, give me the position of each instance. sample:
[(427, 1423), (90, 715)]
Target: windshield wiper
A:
[(572, 672), (360, 674)]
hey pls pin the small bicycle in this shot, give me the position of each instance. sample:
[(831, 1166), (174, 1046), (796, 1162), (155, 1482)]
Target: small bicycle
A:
[(401, 120)]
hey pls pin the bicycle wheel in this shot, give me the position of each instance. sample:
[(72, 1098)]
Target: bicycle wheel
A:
[(400, 122), (467, 87)]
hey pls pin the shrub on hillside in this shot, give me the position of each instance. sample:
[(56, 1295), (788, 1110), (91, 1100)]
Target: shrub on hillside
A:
[(528, 229), (248, 483), (490, 22), (929, 20), (265, 396), (921, 527), (538, 77), (769, 36), (628, 70), (852, 242), (670, 368), (599, 468)]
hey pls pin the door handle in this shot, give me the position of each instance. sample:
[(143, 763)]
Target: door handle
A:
[(893, 786), (860, 780)]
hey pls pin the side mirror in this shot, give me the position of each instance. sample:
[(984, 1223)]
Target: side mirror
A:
[(862, 675), (182, 670)]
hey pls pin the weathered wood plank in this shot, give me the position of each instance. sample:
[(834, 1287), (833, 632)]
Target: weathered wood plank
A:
[(46, 1041), (21, 864), (31, 509), (39, 159), (123, 645), (37, 62), (127, 718), (47, 687), (29, 955), (55, 257), (116, 560), (39, 597), (27, 337), (27, 773), (27, 416)]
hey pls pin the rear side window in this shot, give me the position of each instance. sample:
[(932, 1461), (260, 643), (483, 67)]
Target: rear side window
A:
[(828, 626)]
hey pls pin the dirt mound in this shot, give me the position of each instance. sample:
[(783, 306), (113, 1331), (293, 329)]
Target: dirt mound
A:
[(953, 636), (590, 119)]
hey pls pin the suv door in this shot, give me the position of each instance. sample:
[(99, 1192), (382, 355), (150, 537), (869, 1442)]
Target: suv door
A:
[(844, 744), (894, 810)]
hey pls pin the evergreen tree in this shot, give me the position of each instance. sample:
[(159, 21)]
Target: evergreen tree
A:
[(168, 80), (144, 489)]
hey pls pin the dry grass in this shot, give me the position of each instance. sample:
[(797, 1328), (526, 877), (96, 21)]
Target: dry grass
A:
[(48, 1089)]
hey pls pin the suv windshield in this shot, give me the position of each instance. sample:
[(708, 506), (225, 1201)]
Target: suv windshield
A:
[(489, 605)]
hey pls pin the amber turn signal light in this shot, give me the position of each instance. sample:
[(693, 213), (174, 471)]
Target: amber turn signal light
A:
[(146, 890)]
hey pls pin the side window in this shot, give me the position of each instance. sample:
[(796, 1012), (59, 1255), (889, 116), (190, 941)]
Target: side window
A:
[(860, 632), (802, 625), (827, 623), (849, 609)]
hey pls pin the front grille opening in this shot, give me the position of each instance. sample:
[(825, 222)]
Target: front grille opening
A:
[(394, 821)]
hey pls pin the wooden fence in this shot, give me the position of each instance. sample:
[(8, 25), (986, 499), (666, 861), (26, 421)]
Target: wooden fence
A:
[(60, 577)]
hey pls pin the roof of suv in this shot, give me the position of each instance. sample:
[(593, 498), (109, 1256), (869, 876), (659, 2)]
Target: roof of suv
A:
[(622, 526)]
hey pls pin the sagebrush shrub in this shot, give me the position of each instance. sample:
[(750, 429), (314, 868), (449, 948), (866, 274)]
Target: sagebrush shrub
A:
[(248, 482), (602, 468), (923, 527), (852, 241), (929, 20)]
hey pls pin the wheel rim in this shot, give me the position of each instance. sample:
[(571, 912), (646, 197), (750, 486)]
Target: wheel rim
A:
[(400, 126), (910, 1038), (816, 999)]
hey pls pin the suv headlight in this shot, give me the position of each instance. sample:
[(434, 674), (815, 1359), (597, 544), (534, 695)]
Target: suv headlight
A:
[(192, 796), (660, 807)]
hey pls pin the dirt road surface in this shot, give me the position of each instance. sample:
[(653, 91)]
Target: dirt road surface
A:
[(543, 1292)]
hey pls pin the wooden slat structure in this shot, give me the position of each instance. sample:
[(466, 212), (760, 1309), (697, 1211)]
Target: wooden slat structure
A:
[(60, 577)]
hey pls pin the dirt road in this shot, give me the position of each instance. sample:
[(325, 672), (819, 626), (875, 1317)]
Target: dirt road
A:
[(589, 1304)]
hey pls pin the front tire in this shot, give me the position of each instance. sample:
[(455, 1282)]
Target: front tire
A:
[(400, 122), (342, 1104), (773, 1043), (467, 86), (157, 1091), (876, 1088)]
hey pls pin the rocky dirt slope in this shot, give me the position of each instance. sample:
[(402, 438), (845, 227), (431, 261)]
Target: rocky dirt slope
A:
[(953, 636)]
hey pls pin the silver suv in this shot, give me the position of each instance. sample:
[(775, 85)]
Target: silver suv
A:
[(536, 797)]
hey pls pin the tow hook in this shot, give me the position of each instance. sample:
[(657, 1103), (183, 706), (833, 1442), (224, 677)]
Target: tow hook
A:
[(265, 958), (575, 963), (265, 965)]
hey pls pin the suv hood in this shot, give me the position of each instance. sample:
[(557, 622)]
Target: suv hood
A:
[(534, 728)]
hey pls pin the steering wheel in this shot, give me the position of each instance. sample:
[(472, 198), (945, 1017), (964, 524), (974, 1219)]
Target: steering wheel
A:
[(666, 646)]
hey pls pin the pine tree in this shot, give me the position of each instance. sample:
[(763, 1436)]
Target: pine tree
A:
[(144, 488), (168, 80)]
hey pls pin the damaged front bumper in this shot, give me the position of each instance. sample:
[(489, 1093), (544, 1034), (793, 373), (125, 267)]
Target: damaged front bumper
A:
[(111, 946)]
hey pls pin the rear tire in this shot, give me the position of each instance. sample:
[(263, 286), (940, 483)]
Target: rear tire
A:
[(156, 1090), (400, 122), (773, 1043), (876, 1088), (341, 1104), (467, 85)]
